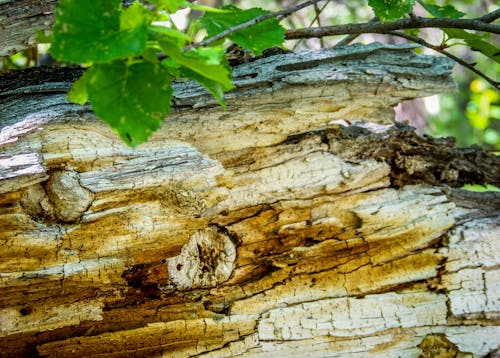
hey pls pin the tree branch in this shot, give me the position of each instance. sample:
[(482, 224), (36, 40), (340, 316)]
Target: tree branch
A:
[(422, 42), (316, 18), (409, 23), (279, 14), (490, 17)]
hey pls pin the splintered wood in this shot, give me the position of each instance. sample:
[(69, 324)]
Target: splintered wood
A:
[(260, 231)]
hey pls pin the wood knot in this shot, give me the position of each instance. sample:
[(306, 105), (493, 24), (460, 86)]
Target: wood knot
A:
[(205, 261), (437, 345), (62, 198)]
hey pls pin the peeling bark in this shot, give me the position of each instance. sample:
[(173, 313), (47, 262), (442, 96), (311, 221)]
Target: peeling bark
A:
[(299, 222)]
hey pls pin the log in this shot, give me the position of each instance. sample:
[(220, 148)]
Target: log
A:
[(302, 221)]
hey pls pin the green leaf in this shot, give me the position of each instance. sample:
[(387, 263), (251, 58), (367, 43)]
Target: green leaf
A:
[(257, 38), (162, 32), (207, 66), (78, 92), (173, 5), (388, 10), (214, 87), (151, 55), (169, 5), (98, 31), (475, 42), (42, 38), (134, 16), (172, 66), (132, 98), (209, 55), (205, 8), (442, 11), (207, 62)]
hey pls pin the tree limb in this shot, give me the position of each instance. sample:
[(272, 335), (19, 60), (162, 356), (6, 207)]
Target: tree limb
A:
[(409, 23), (279, 14), (467, 65), (490, 17)]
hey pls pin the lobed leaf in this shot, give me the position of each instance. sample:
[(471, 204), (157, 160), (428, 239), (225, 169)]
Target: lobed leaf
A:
[(98, 31), (214, 87), (257, 38), (388, 10), (132, 98), (206, 62), (442, 11)]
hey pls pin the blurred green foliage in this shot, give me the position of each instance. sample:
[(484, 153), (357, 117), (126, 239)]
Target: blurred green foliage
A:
[(23, 59), (472, 115), (480, 188)]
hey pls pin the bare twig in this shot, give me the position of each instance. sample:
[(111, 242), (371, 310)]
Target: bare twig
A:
[(316, 18), (278, 14), (490, 17), (467, 65), (408, 23)]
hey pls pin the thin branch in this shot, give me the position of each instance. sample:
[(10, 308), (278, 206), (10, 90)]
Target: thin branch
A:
[(279, 14), (490, 17), (316, 18), (422, 42), (318, 12), (408, 23)]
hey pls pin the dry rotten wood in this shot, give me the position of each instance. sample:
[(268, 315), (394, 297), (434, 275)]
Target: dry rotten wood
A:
[(267, 229), (19, 20)]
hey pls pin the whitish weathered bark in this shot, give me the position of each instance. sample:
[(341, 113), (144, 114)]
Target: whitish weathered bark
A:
[(265, 230), (19, 20)]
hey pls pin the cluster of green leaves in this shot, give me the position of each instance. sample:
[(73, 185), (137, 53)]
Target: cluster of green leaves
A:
[(132, 57)]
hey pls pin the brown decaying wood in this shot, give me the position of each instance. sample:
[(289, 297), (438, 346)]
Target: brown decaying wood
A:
[(269, 229)]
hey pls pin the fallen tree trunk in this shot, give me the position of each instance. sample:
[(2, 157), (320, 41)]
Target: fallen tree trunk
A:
[(299, 222)]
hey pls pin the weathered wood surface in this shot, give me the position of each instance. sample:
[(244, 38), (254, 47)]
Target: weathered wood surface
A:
[(269, 229), (19, 20)]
